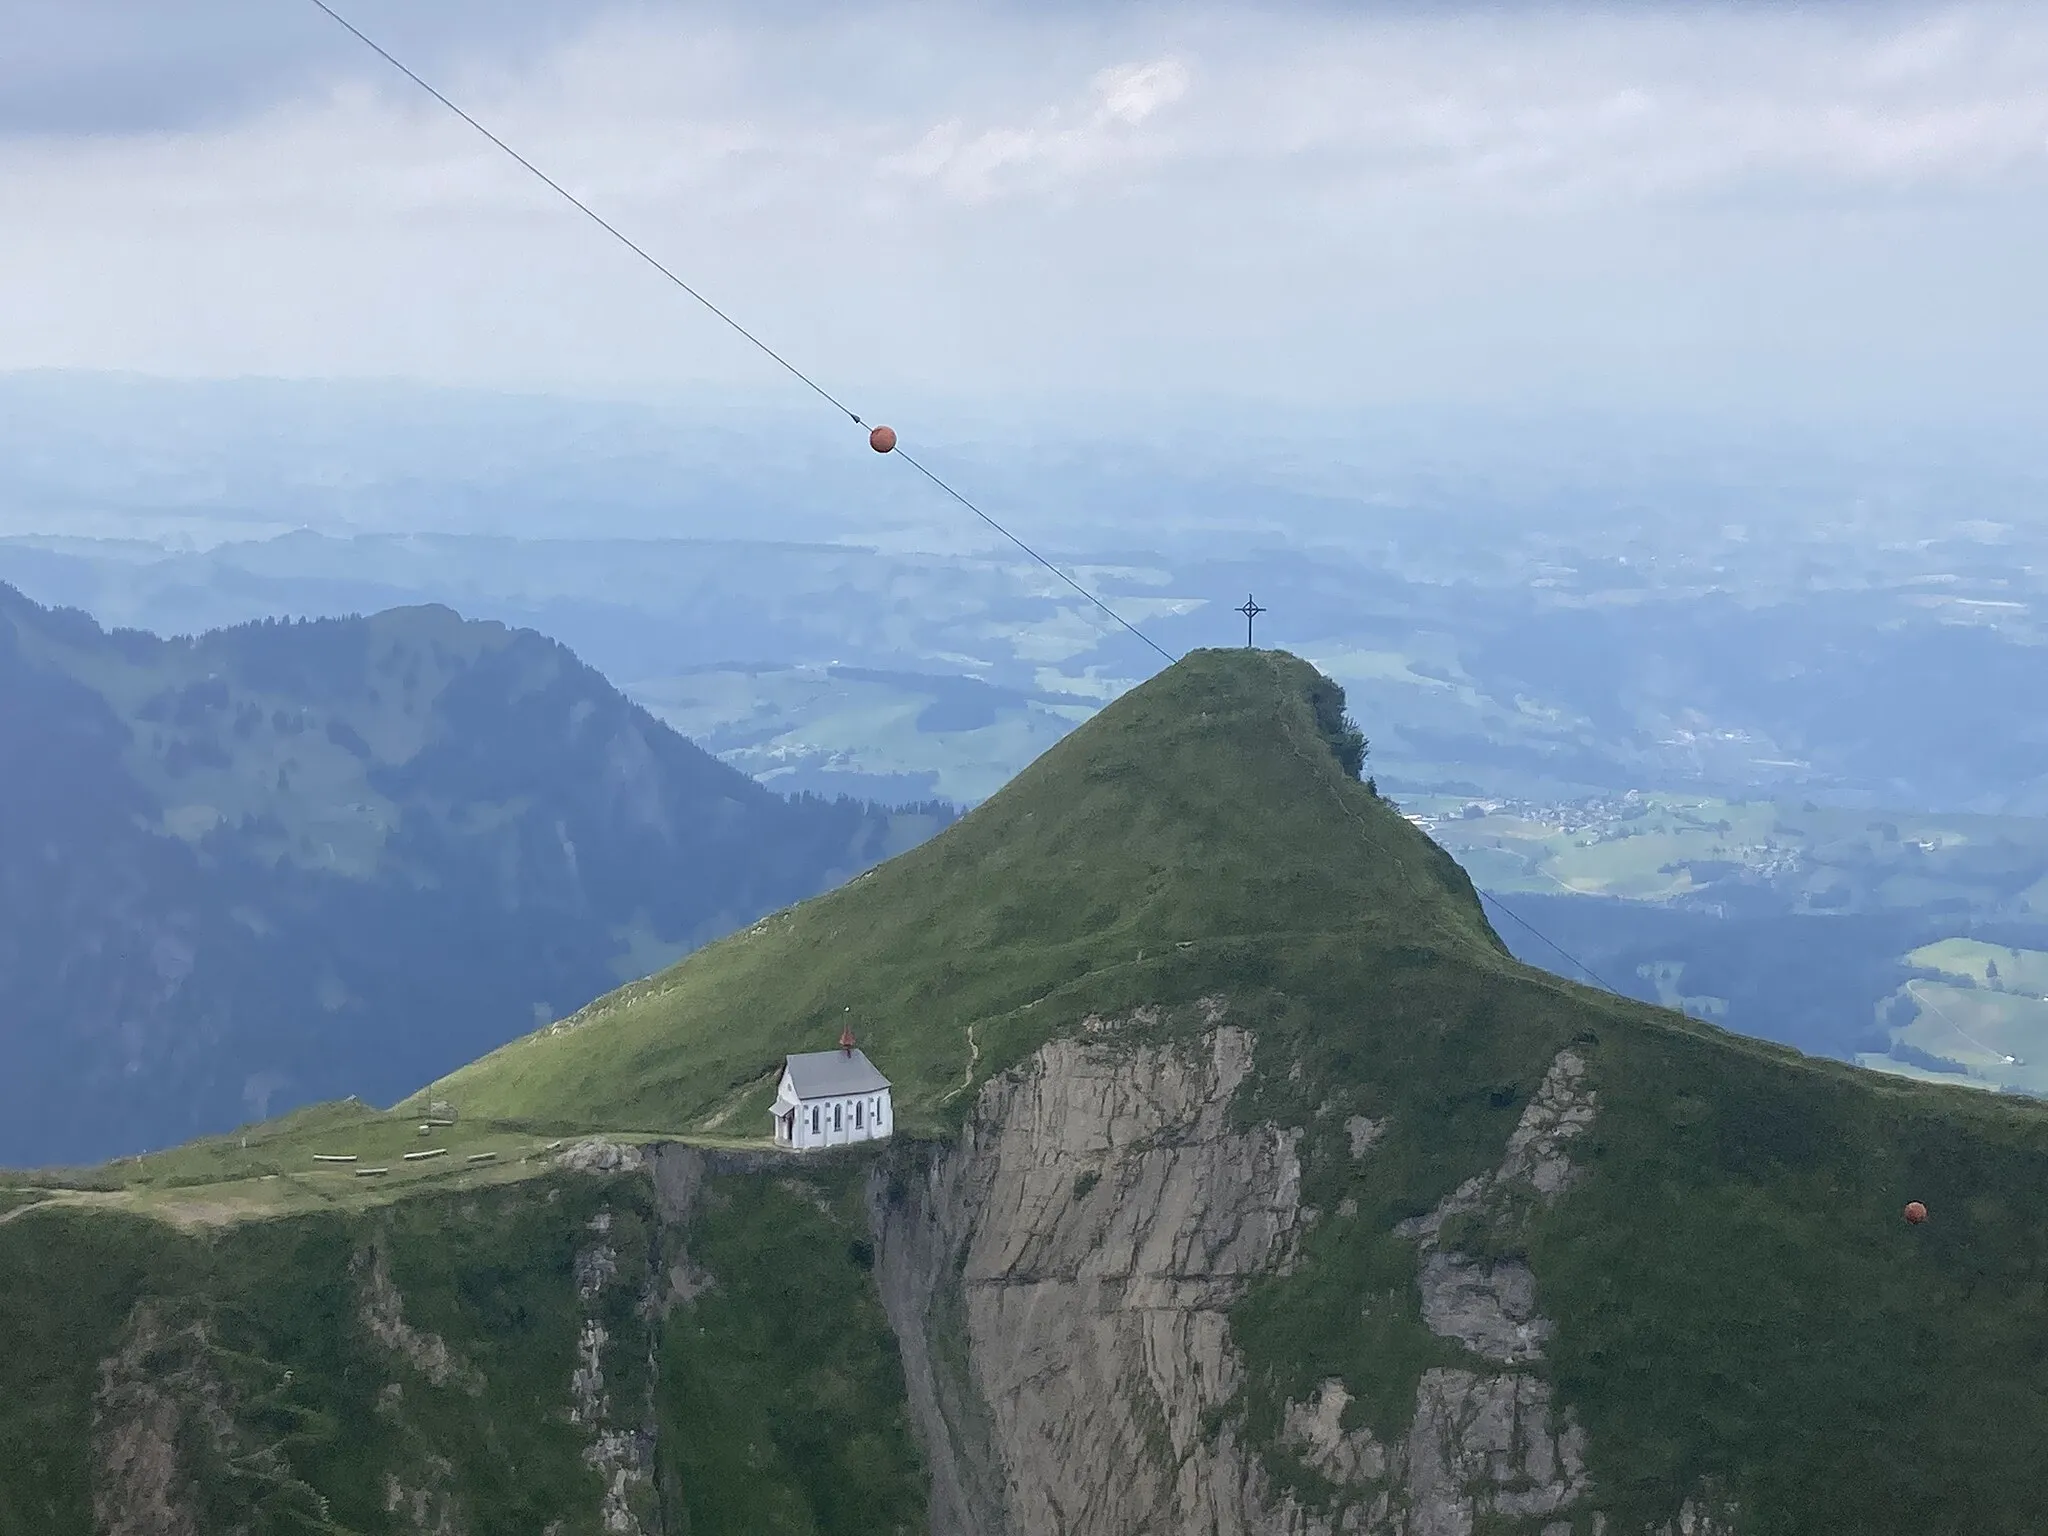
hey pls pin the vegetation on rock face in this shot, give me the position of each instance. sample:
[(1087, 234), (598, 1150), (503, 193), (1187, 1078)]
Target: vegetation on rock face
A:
[(782, 1393), (1345, 739), (310, 1374), (429, 1360), (294, 860), (1735, 1294)]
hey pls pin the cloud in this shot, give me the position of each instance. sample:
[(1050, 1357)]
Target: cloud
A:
[(142, 66), (1063, 144), (1649, 102), (1366, 200), (1133, 92)]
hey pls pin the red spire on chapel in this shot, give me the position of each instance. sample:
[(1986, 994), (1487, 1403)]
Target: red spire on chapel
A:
[(846, 1040)]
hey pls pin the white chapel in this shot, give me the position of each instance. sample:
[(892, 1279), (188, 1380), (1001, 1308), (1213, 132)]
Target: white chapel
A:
[(829, 1098)]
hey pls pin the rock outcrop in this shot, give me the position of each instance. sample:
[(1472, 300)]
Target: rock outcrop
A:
[(153, 1394), (1102, 1214), (428, 1507), (1481, 1443), (381, 1311), (1060, 1281), (622, 1440), (165, 1435), (597, 1155), (1489, 1306)]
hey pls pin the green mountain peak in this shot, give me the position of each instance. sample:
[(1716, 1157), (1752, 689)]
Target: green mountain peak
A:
[(1678, 1248), (1239, 1168), (1203, 816)]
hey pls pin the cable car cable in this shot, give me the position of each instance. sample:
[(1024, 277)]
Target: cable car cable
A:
[(1034, 554), (1575, 960), (812, 384), (809, 383)]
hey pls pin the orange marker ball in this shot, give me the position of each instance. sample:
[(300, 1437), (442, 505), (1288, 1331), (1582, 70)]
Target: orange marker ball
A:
[(1915, 1212), (882, 439)]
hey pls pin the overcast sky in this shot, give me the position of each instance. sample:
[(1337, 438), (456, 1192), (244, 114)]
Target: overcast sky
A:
[(1812, 207)]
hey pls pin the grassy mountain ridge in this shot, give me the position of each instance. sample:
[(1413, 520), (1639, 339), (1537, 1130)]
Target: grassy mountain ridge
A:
[(1735, 1295), (1737, 1302), (1733, 1305), (292, 860), (1102, 863)]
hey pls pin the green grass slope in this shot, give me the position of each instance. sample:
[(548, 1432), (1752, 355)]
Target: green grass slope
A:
[(1736, 1298), (1202, 817)]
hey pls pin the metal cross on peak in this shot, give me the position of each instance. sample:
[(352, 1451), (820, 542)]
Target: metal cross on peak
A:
[(1250, 610)]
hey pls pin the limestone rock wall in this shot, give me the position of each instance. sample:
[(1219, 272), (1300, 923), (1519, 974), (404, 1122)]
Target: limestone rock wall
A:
[(1097, 1220), (1060, 1281)]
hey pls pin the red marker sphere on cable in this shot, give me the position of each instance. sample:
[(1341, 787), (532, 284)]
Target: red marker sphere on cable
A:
[(882, 439), (1915, 1212)]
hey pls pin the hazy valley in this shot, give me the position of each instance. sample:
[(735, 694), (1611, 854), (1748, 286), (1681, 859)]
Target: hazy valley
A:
[(1251, 1175), (1648, 652)]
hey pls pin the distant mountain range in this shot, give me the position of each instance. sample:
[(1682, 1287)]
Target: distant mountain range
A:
[(291, 861)]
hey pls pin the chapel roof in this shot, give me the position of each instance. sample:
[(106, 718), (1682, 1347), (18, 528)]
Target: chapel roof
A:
[(833, 1074)]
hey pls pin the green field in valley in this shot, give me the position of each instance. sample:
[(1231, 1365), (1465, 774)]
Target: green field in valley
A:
[(1660, 847)]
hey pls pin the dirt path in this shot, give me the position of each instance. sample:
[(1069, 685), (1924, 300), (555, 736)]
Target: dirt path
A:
[(731, 1106), (973, 1061)]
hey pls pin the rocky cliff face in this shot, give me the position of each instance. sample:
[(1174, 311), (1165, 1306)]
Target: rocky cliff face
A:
[(1101, 1215), (332, 1395), (1061, 1281)]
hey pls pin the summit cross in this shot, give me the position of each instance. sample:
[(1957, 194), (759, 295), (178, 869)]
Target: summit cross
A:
[(1250, 610)]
